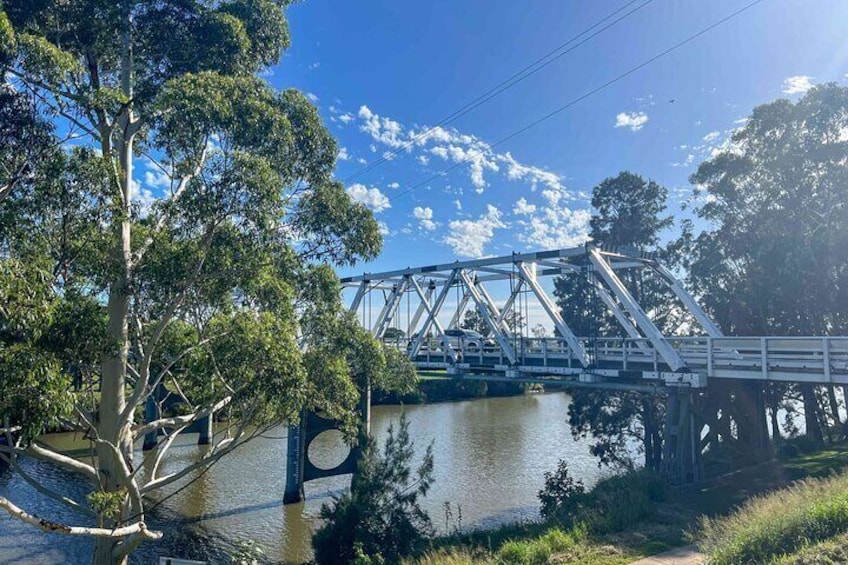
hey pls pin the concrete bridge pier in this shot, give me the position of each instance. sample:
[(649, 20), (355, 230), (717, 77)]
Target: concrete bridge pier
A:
[(681, 462), (300, 469)]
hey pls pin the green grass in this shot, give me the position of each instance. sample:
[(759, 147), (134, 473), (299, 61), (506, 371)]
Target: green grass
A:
[(831, 552), (783, 522)]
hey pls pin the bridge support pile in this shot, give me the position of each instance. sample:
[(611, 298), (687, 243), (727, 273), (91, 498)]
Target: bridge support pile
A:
[(681, 462)]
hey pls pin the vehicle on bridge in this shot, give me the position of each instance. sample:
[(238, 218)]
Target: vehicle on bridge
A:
[(464, 340)]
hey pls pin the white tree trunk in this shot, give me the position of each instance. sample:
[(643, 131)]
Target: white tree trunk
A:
[(114, 364)]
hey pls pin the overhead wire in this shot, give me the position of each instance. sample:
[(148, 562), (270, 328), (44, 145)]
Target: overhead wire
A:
[(517, 77), (473, 155)]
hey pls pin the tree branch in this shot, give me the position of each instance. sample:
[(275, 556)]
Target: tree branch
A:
[(48, 526), (63, 461), (180, 421), (166, 215)]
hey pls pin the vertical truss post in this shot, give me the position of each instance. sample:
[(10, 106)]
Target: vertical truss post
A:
[(666, 351), (488, 316), (388, 311), (688, 300), (431, 318), (553, 314)]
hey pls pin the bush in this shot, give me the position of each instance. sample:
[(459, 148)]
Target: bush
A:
[(619, 501), (780, 523), (560, 492), (379, 520)]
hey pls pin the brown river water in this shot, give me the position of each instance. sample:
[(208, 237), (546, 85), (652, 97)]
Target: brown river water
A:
[(490, 457)]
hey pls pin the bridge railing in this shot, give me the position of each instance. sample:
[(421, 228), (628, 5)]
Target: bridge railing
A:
[(779, 358)]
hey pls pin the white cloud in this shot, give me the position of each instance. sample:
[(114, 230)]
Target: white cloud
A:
[(458, 204), (712, 136), (157, 179), (394, 185), (312, 97), (424, 217), (797, 84), (553, 225), (690, 158), (384, 228), (362, 161), (468, 238), (343, 154), (633, 120), (314, 65), (534, 175), (370, 197), (522, 208), (346, 118), (384, 130), (476, 155)]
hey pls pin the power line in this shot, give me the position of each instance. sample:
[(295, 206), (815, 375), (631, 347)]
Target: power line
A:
[(508, 83), (471, 157)]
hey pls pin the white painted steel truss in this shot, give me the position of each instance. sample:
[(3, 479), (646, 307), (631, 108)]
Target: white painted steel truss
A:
[(646, 354)]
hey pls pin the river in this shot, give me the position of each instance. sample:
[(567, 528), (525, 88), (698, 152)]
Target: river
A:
[(490, 458)]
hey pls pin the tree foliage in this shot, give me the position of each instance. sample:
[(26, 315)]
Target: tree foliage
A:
[(220, 288), (629, 213), (560, 492), (772, 260), (380, 519)]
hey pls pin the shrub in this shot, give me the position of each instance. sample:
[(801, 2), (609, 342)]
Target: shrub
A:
[(617, 502), (380, 519), (560, 492)]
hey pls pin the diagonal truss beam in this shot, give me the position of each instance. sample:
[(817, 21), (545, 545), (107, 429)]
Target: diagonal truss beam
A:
[(361, 290), (459, 309), (431, 318), (666, 351), (498, 317), (688, 300), (509, 301), (553, 313), (419, 311), (485, 306), (387, 314)]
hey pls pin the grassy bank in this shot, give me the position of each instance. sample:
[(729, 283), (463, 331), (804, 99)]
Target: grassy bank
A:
[(620, 521), (783, 522)]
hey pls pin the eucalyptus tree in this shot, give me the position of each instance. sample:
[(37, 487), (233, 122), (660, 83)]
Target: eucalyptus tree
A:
[(772, 259), (219, 289), (629, 211)]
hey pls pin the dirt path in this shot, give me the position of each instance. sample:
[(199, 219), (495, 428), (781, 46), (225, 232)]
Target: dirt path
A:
[(687, 555)]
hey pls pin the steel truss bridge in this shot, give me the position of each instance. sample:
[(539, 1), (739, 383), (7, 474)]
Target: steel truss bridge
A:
[(711, 382), (644, 357)]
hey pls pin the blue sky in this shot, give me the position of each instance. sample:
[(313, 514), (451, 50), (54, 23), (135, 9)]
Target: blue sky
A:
[(381, 71)]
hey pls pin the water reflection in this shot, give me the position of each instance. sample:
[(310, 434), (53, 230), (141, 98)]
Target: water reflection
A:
[(490, 457)]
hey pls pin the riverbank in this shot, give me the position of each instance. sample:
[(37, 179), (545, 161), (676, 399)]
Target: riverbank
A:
[(440, 389), (667, 522)]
